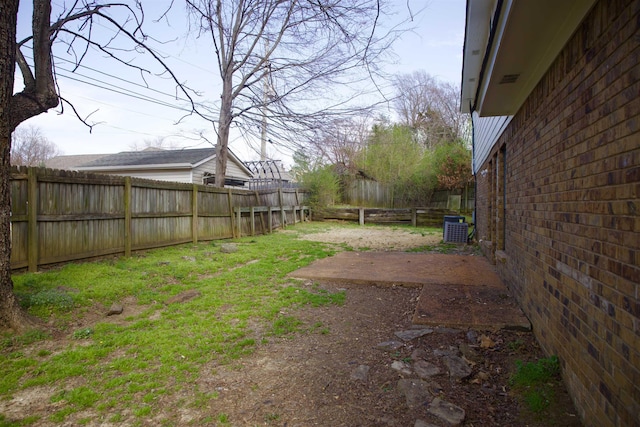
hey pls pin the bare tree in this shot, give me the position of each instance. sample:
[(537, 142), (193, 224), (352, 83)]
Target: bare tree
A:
[(29, 147), (287, 64), (74, 29), (341, 141), (431, 108)]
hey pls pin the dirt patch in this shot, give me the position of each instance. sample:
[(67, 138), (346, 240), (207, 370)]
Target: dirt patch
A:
[(310, 378), (379, 239)]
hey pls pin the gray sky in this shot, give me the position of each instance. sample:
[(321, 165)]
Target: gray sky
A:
[(434, 46)]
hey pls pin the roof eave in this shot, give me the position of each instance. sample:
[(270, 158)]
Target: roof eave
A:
[(518, 49)]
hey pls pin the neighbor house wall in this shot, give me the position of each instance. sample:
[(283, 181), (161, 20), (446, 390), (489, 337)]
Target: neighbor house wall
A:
[(209, 167), (571, 247), (172, 175)]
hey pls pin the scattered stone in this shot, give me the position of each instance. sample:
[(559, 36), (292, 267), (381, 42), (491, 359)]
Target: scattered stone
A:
[(422, 423), (402, 367), (458, 368), (361, 373), (390, 345), (189, 258), (412, 334), (115, 309), (446, 411), (472, 336), (228, 248), (440, 352), (416, 392), (425, 369), (184, 296), (164, 263)]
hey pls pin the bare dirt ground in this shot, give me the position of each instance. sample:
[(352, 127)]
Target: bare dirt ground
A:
[(334, 372), (379, 239)]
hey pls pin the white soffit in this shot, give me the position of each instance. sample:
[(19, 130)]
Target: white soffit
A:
[(529, 35), (476, 39)]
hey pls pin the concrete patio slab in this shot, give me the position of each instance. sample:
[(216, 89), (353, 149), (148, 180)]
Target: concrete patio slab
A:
[(457, 290)]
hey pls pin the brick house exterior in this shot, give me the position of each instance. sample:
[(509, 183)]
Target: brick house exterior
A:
[(557, 167)]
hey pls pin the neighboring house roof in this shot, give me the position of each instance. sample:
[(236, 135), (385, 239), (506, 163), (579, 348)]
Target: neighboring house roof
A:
[(509, 45), (158, 159), (71, 162)]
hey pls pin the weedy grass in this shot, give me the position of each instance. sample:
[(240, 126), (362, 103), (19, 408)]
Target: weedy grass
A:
[(535, 381), (128, 365)]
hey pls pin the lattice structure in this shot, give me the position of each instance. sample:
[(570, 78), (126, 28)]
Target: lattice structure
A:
[(268, 174)]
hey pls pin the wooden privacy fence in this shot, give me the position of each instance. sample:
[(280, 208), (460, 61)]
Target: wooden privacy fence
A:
[(60, 216), (368, 193), (414, 216), (372, 194)]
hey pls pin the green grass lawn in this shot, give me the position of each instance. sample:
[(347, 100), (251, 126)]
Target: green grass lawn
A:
[(125, 367)]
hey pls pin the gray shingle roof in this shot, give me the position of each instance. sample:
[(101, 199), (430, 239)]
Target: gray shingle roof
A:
[(71, 162), (134, 158)]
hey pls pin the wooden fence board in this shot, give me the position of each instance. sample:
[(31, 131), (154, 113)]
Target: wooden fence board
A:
[(213, 228), (19, 244), (414, 216)]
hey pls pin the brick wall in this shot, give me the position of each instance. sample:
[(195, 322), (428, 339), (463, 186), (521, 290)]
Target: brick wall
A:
[(572, 231)]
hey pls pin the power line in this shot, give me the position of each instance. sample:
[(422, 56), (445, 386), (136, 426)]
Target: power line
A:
[(122, 91), (119, 88), (119, 78)]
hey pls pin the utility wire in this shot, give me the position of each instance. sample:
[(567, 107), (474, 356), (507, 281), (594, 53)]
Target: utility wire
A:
[(122, 91), (118, 89)]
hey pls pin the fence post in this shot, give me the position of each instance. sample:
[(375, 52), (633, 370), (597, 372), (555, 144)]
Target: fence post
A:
[(194, 214), (127, 216), (414, 217), (231, 213), (32, 218), (361, 216), (261, 213), (252, 212), (283, 215), (239, 221), (270, 219)]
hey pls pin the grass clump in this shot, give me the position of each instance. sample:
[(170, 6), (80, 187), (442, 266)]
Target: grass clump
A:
[(535, 381), (285, 325)]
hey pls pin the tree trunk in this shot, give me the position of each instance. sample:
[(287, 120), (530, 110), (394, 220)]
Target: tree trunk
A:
[(11, 315), (39, 94), (224, 126)]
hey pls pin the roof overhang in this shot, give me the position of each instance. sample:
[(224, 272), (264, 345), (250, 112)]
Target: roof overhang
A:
[(509, 45)]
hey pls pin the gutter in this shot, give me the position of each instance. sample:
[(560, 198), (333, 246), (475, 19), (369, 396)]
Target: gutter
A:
[(487, 53)]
